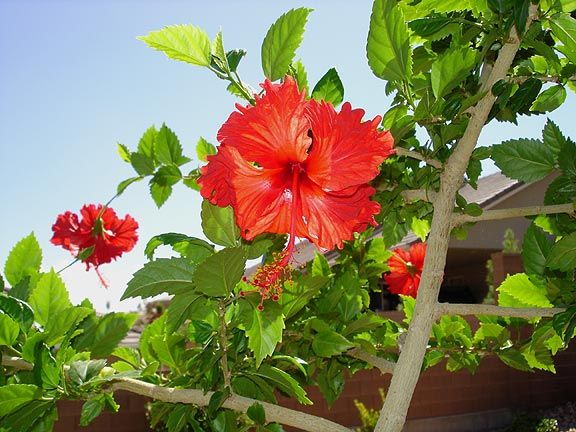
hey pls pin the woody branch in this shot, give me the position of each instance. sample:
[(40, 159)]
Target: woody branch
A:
[(513, 213), (483, 309)]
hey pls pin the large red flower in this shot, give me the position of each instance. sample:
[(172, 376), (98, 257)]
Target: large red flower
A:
[(405, 270), (99, 231), (297, 166)]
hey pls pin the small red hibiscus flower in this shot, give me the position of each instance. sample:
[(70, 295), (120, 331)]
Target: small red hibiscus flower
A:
[(98, 237), (297, 166), (405, 270)]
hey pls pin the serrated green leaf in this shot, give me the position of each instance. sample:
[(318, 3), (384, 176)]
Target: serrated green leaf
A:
[(298, 71), (146, 143), (9, 330), (14, 396), (234, 57), (368, 321), (49, 298), (219, 225), (320, 266), (329, 88), (420, 227), (142, 164), (388, 47), (562, 256), (284, 383), (181, 42), (24, 260), (552, 136), (535, 249), (180, 307), (256, 413), (514, 358), (281, 41), (451, 68), (64, 323), (123, 185), (263, 328), (123, 152), (519, 291), (564, 29), (103, 337), (35, 416), (180, 243), (328, 343), (128, 354), (83, 371), (18, 310), (204, 149), (164, 275), (298, 294), (564, 324), (527, 160), (567, 162), (167, 148), (91, 409), (549, 99), (220, 55), (218, 274), (46, 371)]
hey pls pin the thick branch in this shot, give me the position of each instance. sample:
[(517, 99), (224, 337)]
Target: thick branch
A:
[(483, 309), (16, 362), (407, 370), (385, 366), (400, 151), (274, 413), (513, 213)]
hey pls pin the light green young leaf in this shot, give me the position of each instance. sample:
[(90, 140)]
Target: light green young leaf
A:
[(535, 249), (298, 71), (164, 275), (218, 274), (563, 254), (167, 148), (146, 143), (329, 88), (420, 227), (18, 310), (24, 260), (527, 160), (123, 152), (281, 41), (204, 149), (549, 99), (101, 339), (14, 396), (388, 47), (451, 69), (328, 343), (181, 42), (220, 55), (180, 243), (564, 29), (123, 185), (9, 330), (263, 328), (219, 224), (519, 291), (49, 298)]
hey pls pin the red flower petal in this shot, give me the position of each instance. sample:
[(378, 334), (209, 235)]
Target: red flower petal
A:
[(216, 179), (332, 217), (402, 279), (345, 151), (274, 131)]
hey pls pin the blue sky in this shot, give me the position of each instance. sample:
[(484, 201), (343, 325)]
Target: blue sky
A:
[(74, 81)]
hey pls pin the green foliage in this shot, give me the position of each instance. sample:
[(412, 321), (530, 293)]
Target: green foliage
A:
[(563, 254), (24, 260), (190, 247), (9, 330), (328, 343), (281, 41), (93, 407), (520, 291), (451, 69), (329, 88), (219, 225), (527, 160), (49, 298), (218, 274)]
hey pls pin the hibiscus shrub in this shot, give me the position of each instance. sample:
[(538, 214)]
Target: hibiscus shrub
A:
[(298, 164)]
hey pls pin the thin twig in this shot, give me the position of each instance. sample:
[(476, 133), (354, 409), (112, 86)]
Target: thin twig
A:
[(400, 151), (385, 366), (487, 215), (484, 309)]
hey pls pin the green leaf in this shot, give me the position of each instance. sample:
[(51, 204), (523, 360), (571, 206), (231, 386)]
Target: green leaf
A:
[(552, 136), (527, 160), (169, 350), (298, 71), (82, 371), (473, 209), (564, 29), (24, 260), (519, 291), (234, 57), (46, 371), (49, 298), (167, 147), (451, 68), (128, 354), (91, 409), (124, 152), (367, 322), (298, 294), (9, 330), (190, 247), (549, 99), (181, 42), (142, 164), (123, 185), (219, 225), (216, 400), (218, 274), (563, 254), (101, 339), (420, 227), (180, 307), (329, 343), (263, 328), (281, 41), (320, 266), (256, 413), (18, 310), (564, 324), (219, 54), (64, 323), (146, 143), (284, 383), (204, 149), (388, 47), (164, 275), (514, 358), (535, 249), (14, 396), (329, 88), (567, 163)]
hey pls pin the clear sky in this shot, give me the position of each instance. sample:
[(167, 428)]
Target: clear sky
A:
[(74, 81)]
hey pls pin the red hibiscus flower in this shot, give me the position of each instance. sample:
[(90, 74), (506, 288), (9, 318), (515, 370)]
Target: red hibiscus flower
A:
[(98, 237), (296, 166), (405, 270)]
